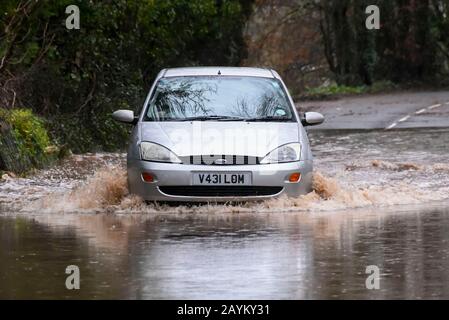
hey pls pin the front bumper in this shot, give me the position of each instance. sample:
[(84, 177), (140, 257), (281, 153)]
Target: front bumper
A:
[(168, 174)]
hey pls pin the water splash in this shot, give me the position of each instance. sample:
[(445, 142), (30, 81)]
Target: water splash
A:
[(353, 170), (106, 191), (107, 187)]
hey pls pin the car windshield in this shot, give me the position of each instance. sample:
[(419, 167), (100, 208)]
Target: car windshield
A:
[(219, 98)]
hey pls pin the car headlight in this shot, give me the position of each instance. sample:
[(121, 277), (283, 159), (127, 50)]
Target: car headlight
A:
[(154, 152), (287, 153)]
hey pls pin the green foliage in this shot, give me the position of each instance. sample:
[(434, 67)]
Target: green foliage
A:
[(335, 90), (30, 135), (30, 130), (77, 78)]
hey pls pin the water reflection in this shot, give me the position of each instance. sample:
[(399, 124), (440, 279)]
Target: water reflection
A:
[(261, 256)]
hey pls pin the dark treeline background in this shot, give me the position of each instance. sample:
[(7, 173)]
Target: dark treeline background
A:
[(412, 43), (75, 78)]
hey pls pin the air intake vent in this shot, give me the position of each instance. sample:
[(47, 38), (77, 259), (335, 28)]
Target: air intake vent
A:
[(221, 160), (220, 191)]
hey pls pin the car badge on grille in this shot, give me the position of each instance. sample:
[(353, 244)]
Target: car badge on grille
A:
[(220, 161)]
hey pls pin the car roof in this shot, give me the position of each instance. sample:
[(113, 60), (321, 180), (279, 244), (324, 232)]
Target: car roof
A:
[(224, 71)]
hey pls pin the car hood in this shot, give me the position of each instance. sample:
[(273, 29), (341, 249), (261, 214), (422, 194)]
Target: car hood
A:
[(220, 137)]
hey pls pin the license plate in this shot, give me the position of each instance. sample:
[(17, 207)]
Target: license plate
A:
[(222, 179)]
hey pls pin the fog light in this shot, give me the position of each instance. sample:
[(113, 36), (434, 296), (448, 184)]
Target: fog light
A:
[(295, 177), (147, 177)]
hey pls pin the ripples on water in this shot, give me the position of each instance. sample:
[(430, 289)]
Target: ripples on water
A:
[(251, 255), (353, 170)]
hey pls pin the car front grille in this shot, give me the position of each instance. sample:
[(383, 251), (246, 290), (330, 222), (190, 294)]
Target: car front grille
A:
[(220, 191), (221, 160)]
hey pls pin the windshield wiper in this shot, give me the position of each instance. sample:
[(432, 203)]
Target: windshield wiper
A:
[(205, 118), (269, 119), (230, 118)]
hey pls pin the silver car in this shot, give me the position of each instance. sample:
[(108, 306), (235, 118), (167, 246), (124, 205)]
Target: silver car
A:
[(218, 134)]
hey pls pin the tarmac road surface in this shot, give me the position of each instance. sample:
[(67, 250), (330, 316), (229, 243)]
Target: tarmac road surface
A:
[(384, 111)]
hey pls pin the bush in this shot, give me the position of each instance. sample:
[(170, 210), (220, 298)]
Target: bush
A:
[(25, 142)]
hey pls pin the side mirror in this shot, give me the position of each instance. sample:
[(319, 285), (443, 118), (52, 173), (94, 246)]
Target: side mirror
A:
[(312, 119), (125, 116)]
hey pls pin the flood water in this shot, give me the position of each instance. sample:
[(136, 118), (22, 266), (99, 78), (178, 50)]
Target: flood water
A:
[(381, 199)]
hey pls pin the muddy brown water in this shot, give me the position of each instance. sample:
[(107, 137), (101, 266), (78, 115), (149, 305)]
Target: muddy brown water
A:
[(381, 199)]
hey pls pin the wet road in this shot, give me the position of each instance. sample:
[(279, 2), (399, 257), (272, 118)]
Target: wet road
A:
[(381, 198), (381, 111), (228, 257)]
